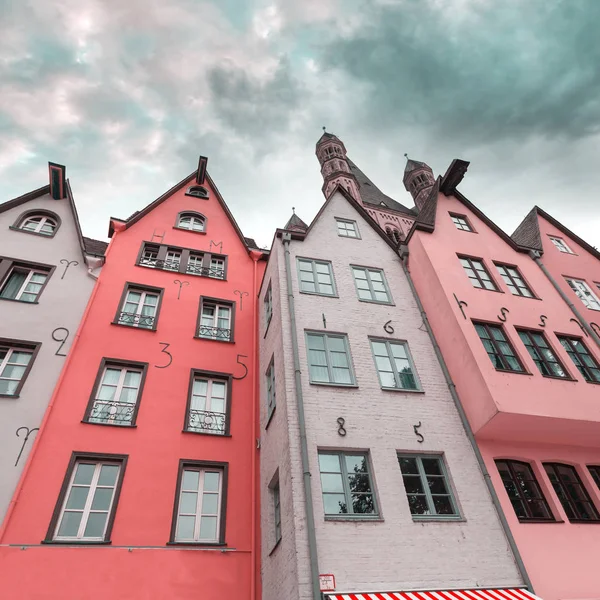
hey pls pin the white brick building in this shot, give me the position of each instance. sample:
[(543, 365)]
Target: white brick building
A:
[(388, 548)]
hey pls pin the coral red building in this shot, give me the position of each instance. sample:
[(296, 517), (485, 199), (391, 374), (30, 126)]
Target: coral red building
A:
[(142, 480)]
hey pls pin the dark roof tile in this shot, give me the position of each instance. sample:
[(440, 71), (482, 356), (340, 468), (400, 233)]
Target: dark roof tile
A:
[(95, 247), (528, 232)]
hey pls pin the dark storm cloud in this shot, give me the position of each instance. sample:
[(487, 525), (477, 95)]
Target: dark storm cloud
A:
[(477, 70)]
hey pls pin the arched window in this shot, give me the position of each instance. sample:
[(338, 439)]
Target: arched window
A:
[(192, 221), (42, 223), (198, 191), (388, 232), (396, 235)]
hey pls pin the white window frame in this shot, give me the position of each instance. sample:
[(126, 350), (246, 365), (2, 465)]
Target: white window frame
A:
[(87, 510), (140, 306), (271, 390), (193, 220), (461, 223), (172, 260), (22, 289), (561, 245), (314, 262), (390, 355), (6, 362), (433, 515), (43, 219), (343, 229), (326, 337), (215, 320), (197, 262), (116, 401), (209, 408), (584, 292), (150, 254), (202, 470), (368, 271), (217, 268)]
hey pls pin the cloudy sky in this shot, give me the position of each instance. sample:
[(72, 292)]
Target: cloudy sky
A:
[(128, 93)]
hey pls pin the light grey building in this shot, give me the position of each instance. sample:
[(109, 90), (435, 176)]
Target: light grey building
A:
[(367, 473), (47, 273)]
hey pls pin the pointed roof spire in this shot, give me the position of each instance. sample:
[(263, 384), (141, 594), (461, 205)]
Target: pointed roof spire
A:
[(412, 165), (295, 223)]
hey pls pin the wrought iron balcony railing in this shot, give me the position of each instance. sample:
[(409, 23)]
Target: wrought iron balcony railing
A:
[(109, 411), (215, 272), (135, 320), (206, 421), (155, 263), (214, 333), (174, 265)]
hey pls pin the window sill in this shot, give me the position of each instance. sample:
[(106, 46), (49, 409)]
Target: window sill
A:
[(216, 435), (540, 521), (132, 426), (514, 372), (209, 339), (153, 329), (75, 543), (33, 232), (189, 230), (335, 385), (439, 519), (526, 297), (349, 237), (9, 396), (376, 302), (204, 544), (270, 418), (277, 543), (486, 290), (320, 295), (387, 389), (584, 522), (354, 519), (558, 378), (20, 301)]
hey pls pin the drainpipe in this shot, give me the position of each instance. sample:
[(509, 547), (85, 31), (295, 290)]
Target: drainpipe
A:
[(403, 253), (310, 516), (536, 257), (254, 255)]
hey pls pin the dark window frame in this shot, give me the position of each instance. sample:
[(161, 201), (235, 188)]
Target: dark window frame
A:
[(7, 264), (183, 262), (228, 379), (344, 220), (191, 213), (203, 195), (569, 499), (200, 464), (513, 283), (42, 212), (34, 348), (488, 326), (123, 364), (139, 287), (520, 497), (539, 350), (77, 456), (275, 493), (594, 471), (573, 350), (470, 260), (271, 377), (268, 306), (212, 300), (467, 221)]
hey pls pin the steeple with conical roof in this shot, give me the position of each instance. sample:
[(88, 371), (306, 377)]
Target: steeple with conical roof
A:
[(418, 180), (335, 168), (295, 223)]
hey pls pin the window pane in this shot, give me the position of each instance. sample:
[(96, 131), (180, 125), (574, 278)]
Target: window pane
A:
[(84, 474), (432, 466), (185, 528), (211, 481), (108, 475), (188, 502), (102, 499), (334, 504), (332, 482), (210, 504), (191, 480), (408, 465), (413, 484), (208, 528), (443, 505), (329, 463), (77, 498), (69, 525), (418, 505)]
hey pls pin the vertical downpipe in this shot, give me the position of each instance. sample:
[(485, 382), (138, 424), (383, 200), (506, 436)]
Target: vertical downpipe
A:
[(310, 516)]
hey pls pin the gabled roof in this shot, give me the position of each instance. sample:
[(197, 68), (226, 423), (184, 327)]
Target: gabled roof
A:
[(372, 195), (97, 245), (296, 223), (528, 232), (248, 243)]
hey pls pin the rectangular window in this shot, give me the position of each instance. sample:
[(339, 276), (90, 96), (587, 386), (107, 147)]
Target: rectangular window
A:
[(209, 403), (581, 356), (23, 283), (477, 273), (271, 394), (347, 228), (543, 356), (329, 359), (524, 491), (584, 293), (276, 510), (371, 285), (183, 260), (561, 244), (427, 487), (394, 365), (346, 484), (86, 507), (216, 319), (200, 507), (139, 306), (595, 473), (316, 277), (514, 280), (268, 303), (571, 492), (16, 360), (498, 347), (461, 222), (116, 395)]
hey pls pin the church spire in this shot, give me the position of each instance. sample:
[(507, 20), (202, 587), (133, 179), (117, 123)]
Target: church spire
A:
[(335, 168), (418, 180)]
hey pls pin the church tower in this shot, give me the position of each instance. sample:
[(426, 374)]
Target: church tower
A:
[(418, 180), (335, 167)]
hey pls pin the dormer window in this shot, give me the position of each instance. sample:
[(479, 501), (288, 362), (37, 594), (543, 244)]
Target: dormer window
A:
[(197, 191), (191, 221), (39, 223)]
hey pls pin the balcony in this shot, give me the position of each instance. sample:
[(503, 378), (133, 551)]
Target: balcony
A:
[(112, 413), (174, 265), (206, 421), (214, 333), (135, 320)]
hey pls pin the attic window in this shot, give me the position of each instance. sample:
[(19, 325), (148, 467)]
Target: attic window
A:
[(197, 191), (41, 223)]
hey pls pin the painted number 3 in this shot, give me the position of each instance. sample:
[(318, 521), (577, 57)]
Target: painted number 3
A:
[(341, 422)]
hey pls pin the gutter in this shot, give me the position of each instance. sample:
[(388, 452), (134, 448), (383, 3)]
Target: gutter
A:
[(310, 516), (403, 254), (584, 324)]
